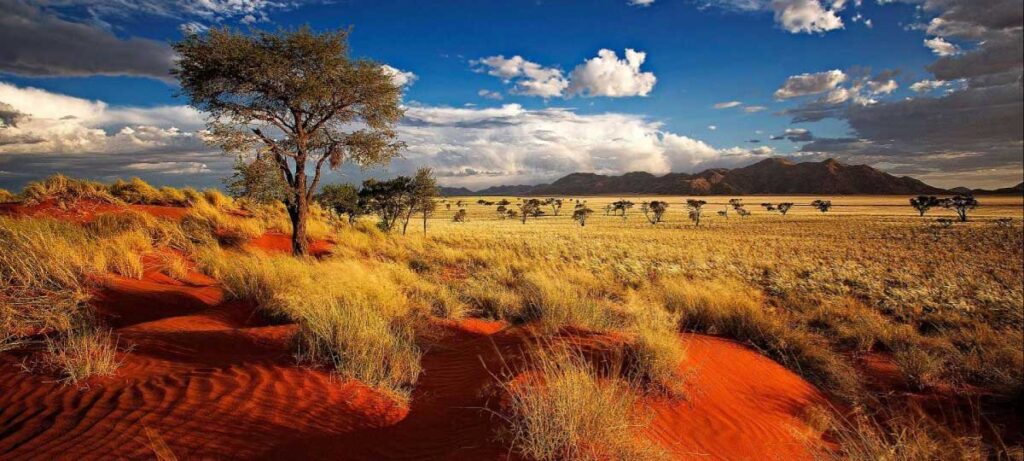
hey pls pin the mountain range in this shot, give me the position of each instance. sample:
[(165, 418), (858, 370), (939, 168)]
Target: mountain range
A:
[(773, 176)]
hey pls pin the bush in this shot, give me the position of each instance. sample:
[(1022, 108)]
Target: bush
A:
[(6, 196), (82, 353), (136, 191), (565, 410), (65, 191)]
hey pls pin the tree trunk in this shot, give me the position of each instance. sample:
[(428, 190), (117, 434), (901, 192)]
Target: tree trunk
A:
[(424, 222), (298, 212)]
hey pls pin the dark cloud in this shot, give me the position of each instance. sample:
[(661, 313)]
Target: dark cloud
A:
[(9, 116), (34, 42), (794, 135)]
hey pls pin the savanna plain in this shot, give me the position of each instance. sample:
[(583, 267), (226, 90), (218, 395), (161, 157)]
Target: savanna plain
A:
[(174, 324)]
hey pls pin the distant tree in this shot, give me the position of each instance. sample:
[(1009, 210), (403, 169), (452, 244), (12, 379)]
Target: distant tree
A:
[(736, 203), (581, 213), (460, 216), (424, 193), (530, 207), (822, 205), (1004, 222), (258, 180), (784, 207), (460, 204), (724, 213), (294, 96), (742, 212), (923, 203), (768, 206), (389, 199), (961, 204), (608, 209), (343, 199), (448, 206), (944, 222), (654, 210), (622, 206), (504, 202), (696, 208), (502, 211), (555, 204)]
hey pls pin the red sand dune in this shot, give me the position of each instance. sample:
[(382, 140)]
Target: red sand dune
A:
[(273, 242), (212, 380)]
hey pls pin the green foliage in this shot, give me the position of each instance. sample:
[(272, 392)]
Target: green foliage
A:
[(343, 199), (259, 180)]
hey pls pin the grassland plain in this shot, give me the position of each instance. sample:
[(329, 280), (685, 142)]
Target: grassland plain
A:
[(913, 328)]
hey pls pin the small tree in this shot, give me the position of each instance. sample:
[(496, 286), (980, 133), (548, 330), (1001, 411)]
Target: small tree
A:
[(504, 202), (502, 211), (923, 203), (696, 208), (555, 204), (294, 96), (581, 213), (389, 199), (961, 204), (622, 206), (768, 206), (784, 207), (343, 199), (528, 208), (258, 180), (460, 216), (421, 193), (742, 212), (822, 205), (654, 210), (736, 203)]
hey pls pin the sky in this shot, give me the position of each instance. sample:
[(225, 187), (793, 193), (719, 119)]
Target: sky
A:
[(524, 92)]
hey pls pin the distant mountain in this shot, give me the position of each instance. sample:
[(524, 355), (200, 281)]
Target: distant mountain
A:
[(773, 176), (1015, 190)]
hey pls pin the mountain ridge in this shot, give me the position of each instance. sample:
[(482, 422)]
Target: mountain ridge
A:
[(772, 176)]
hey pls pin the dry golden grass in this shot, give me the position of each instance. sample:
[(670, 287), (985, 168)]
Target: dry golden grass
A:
[(81, 353), (564, 409)]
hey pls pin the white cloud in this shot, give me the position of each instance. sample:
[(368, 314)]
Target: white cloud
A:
[(882, 87), (170, 167), (925, 86), (57, 123), (808, 84), (511, 144), (531, 79), (607, 75), (604, 75), (712, 127), (727, 105), (487, 94), (641, 2), (399, 77), (807, 16), (940, 46), (753, 109)]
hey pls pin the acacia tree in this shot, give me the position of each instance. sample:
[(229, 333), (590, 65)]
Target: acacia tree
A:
[(784, 207), (555, 204), (420, 197), (343, 199), (529, 207), (696, 208), (961, 204), (389, 199), (923, 203), (654, 210), (822, 205), (581, 213), (258, 179), (296, 96)]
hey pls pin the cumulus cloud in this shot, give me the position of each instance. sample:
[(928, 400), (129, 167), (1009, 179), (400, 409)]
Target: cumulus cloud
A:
[(605, 75), (511, 144), (37, 43), (805, 16), (399, 77), (810, 84), (530, 78), (940, 46), (925, 86), (976, 125), (727, 105), (795, 135), (55, 132), (488, 94)]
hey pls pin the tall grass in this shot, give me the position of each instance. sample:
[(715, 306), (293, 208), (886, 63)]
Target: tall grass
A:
[(66, 192), (82, 353), (351, 315), (564, 409)]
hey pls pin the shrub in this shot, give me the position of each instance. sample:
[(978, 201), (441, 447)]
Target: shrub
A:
[(565, 410), (82, 353), (172, 196), (136, 191), (6, 196), (361, 325), (65, 191)]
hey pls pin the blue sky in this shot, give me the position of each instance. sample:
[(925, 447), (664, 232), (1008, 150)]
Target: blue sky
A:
[(659, 116)]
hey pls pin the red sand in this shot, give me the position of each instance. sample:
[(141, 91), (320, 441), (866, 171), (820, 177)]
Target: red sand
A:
[(273, 242), (212, 380)]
